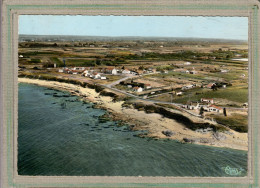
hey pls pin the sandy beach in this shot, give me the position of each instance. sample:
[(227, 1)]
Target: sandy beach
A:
[(154, 123)]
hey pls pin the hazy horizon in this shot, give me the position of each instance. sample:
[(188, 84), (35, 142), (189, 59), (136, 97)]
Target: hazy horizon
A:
[(93, 37), (230, 28)]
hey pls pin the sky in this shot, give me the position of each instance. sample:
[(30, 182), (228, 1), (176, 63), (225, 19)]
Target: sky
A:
[(146, 26)]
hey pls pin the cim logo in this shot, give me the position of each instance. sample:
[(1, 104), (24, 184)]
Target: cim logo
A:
[(232, 171)]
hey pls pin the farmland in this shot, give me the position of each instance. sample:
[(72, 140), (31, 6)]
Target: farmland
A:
[(181, 72)]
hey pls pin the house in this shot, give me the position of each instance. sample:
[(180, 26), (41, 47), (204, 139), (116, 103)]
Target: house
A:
[(147, 86), (96, 75), (103, 77), (210, 85), (185, 71), (203, 57), (191, 106), (165, 71), (138, 89), (213, 108), (20, 55), (179, 93), (139, 72), (126, 71), (207, 100), (111, 70), (193, 72), (212, 57), (245, 105), (61, 70), (187, 87), (223, 70), (78, 68), (187, 63), (74, 72)]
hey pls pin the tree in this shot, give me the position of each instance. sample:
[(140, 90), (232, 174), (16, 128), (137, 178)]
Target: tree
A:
[(224, 112), (214, 87), (201, 111), (141, 67)]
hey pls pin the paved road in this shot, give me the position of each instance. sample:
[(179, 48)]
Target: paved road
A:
[(120, 80), (177, 105)]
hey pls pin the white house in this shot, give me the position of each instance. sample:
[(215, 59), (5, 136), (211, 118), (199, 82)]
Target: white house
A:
[(223, 70), (103, 78), (207, 100), (187, 87), (20, 55), (78, 68), (111, 70), (74, 72), (147, 86), (187, 63), (96, 75), (185, 71), (138, 89), (213, 108), (126, 71), (179, 93), (191, 106)]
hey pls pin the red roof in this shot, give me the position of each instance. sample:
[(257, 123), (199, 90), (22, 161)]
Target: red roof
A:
[(215, 107), (206, 99), (210, 84)]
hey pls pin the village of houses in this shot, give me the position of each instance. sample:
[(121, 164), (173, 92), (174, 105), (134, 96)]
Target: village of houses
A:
[(149, 89)]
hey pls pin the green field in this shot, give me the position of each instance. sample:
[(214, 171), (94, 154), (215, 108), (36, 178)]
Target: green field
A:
[(237, 122), (235, 94)]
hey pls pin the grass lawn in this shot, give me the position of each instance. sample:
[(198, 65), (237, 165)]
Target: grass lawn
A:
[(236, 122), (235, 94)]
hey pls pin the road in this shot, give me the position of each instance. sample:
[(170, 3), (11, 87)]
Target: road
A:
[(120, 80), (177, 105)]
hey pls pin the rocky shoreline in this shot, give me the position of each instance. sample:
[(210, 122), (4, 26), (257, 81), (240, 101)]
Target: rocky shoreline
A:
[(157, 124)]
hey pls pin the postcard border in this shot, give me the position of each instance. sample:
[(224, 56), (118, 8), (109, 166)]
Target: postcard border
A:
[(11, 96)]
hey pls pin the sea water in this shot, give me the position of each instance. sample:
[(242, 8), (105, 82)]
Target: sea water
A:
[(61, 135)]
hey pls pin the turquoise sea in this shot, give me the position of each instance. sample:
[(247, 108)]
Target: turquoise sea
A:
[(61, 135)]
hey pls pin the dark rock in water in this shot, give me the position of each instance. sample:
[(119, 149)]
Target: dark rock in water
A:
[(93, 127), (57, 95), (92, 130), (128, 138), (106, 127), (54, 103), (168, 133), (63, 105), (48, 93), (99, 129)]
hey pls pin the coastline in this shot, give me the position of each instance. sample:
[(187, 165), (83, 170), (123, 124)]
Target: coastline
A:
[(154, 123)]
